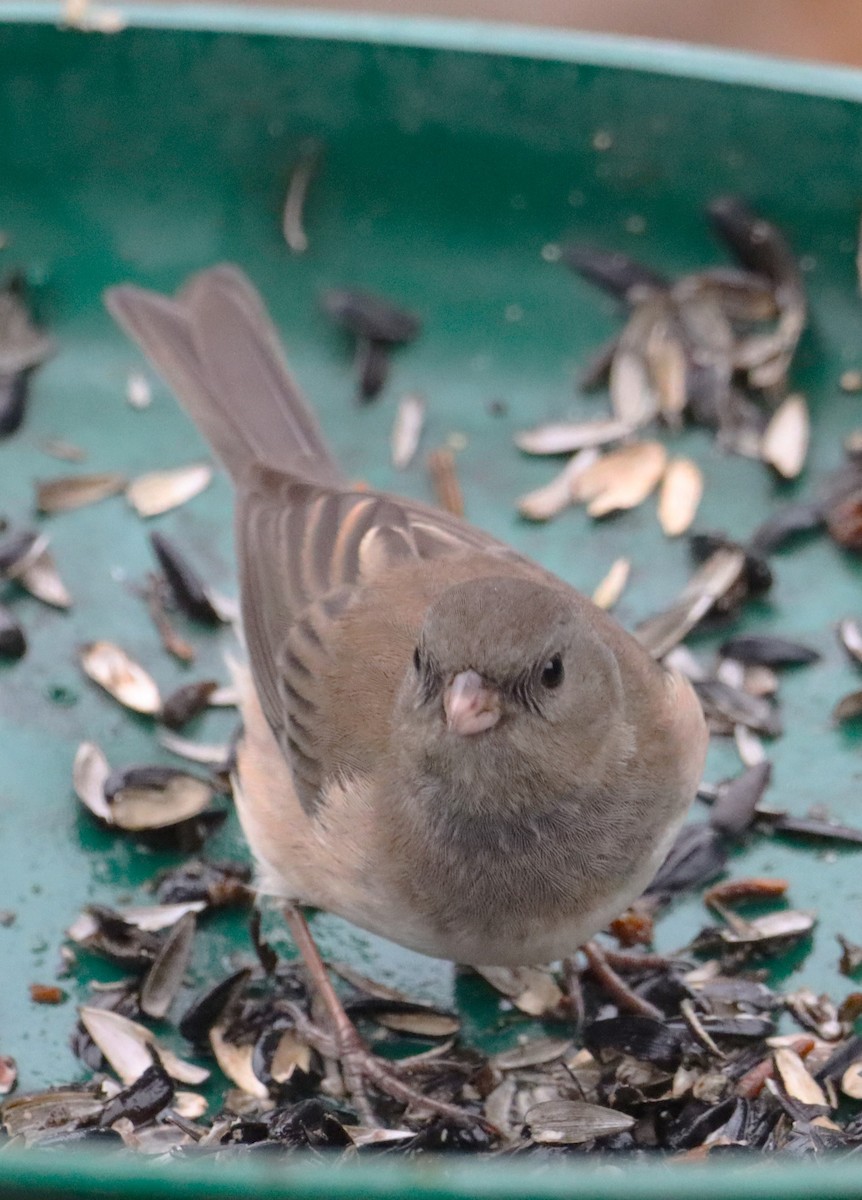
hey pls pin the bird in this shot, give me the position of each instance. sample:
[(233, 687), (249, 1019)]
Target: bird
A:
[(444, 743)]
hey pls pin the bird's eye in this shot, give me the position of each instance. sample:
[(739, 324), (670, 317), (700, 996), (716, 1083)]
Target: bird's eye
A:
[(552, 672), (417, 661)]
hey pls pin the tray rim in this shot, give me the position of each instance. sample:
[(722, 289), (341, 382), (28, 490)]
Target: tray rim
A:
[(681, 59), (56, 1175)]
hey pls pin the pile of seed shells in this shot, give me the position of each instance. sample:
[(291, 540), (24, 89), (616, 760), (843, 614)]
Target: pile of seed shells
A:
[(641, 1055)]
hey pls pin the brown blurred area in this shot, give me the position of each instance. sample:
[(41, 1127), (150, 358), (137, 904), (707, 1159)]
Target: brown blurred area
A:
[(824, 30)]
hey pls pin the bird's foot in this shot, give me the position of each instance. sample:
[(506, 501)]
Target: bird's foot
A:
[(359, 1067)]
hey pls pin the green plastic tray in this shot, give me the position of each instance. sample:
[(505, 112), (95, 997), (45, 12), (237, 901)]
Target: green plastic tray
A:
[(453, 155)]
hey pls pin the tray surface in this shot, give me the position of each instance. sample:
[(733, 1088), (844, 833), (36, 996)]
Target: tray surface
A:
[(153, 153)]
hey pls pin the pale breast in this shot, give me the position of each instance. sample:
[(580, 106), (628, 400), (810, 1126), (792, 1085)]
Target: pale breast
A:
[(330, 860)]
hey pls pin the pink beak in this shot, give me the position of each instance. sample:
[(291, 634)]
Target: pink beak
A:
[(472, 705)]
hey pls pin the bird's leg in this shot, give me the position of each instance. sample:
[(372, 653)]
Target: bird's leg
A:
[(573, 993), (358, 1065), (615, 986)]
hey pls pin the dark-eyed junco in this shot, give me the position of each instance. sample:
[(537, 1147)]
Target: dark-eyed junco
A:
[(444, 743)]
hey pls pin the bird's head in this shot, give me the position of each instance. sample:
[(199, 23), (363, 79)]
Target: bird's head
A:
[(511, 672)]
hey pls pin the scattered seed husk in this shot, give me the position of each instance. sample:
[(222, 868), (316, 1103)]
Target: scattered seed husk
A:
[(786, 523), (737, 799), (768, 651), (208, 1007), (235, 1061), (90, 773), (612, 586), (698, 855), (146, 798), (785, 442), (733, 890), (812, 828), (61, 449), (853, 445), (371, 366), (566, 438), (622, 479), (844, 521), (18, 548), (23, 347), (8, 1074), (444, 480), (851, 956), (139, 394), (407, 430), (762, 248), (13, 641), (759, 680), (572, 1122), (41, 578), (850, 1010), (617, 273), (744, 296), (291, 1055), (737, 707), (756, 578), (301, 174), (27, 1114), (851, 1081), (197, 884), (126, 681), (789, 924), (799, 1084), (165, 977), (207, 754), (76, 491), (533, 1052), (547, 501), (129, 1046), (108, 933), (188, 589), (817, 1013), (848, 708), (178, 646), (142, 1100), (731, 672), (667, 358), (850, 637), (716, 577), (190, 1105), (187, 702), (370, 317), (680, 495), (408, 1017), (634, 398), (159, 491), (498, 1105), (749, 747), (643, 1038), (530, 989), (154, 917)]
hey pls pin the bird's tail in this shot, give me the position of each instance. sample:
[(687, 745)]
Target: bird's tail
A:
[(215, 345)]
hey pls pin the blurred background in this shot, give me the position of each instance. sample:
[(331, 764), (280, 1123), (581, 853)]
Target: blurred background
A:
[(828, 30)]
